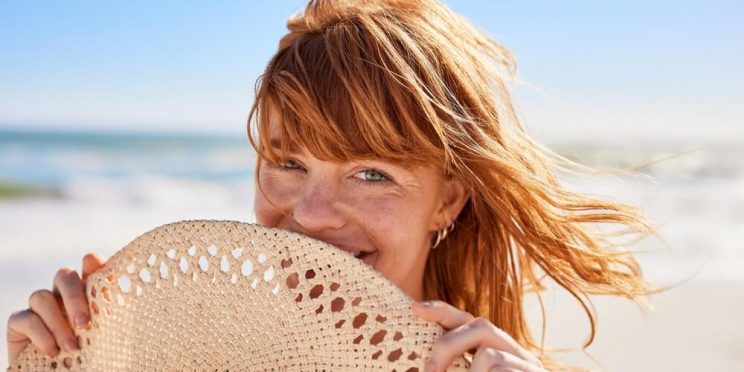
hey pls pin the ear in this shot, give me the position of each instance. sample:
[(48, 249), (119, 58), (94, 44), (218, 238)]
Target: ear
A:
[(451, 201)]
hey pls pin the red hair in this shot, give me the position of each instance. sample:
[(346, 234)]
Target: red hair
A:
[(414, 83)]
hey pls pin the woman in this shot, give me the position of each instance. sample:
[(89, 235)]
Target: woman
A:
[(386, 127)]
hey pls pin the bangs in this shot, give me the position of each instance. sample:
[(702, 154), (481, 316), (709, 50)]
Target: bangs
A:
[(332, 94)]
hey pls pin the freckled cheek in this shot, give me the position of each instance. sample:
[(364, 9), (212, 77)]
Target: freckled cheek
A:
[(395, 229), (386, 220), (278, 193)]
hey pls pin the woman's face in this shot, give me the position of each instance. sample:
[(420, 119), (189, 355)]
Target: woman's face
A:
[(376, 207)]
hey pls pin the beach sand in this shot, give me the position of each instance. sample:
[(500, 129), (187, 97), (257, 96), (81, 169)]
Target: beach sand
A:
[(694, 327)]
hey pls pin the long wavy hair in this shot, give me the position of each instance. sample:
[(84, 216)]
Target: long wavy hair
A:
[(411, 82)]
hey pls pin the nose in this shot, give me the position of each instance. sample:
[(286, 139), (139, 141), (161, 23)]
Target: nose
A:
[(316, 207)]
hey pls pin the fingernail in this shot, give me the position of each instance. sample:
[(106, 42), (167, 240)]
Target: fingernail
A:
[(431, 366), (70, 344), (424, 303), (81, 320)]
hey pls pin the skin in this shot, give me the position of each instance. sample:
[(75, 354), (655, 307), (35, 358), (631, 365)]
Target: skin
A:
[(367, 205)]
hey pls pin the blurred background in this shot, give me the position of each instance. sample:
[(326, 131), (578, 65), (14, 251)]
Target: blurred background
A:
[(119, 117)]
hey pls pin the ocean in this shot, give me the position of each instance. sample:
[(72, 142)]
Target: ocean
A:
[(132, 167)]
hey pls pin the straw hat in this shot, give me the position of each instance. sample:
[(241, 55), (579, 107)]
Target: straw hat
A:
[(223, 295)]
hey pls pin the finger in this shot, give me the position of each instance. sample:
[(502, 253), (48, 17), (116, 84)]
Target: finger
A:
[(477, 333), (91, 263), (70, 287), (487, 358), (45, 305), (24, 327), (443, 313)]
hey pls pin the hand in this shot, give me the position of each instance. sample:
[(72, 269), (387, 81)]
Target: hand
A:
[(496, 350), (44, 324)]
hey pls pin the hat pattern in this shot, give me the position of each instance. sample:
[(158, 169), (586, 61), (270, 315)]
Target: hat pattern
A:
[(226, 295)]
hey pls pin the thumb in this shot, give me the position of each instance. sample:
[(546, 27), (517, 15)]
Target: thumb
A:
[(91, 263)]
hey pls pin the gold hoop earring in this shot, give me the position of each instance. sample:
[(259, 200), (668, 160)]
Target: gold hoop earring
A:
[(441, 234)]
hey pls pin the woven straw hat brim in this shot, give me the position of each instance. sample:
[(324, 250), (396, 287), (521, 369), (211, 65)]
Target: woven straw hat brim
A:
[(226, 296)]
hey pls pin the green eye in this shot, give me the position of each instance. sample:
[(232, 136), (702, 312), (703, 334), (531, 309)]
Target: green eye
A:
[(372, 175)]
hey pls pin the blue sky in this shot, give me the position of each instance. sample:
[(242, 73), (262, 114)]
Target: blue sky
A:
[(592, 70)]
